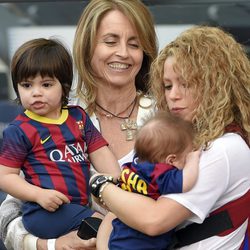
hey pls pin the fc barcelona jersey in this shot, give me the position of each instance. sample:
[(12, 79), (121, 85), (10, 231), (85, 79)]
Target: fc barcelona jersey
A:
[(151, 179), (53, 154)]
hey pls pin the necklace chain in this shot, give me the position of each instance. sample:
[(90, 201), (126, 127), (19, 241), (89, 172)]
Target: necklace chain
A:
[(129, 126), (110, 114)]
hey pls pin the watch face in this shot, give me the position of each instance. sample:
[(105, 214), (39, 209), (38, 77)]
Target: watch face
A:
[(97, 183), (101, 179)]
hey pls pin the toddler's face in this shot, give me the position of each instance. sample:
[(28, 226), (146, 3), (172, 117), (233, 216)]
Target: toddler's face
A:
[(42, 96)]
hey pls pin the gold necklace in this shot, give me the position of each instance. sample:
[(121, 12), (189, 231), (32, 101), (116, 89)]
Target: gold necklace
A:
[(128, 125)]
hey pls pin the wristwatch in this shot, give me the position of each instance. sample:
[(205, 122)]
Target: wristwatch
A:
[(97, 182)]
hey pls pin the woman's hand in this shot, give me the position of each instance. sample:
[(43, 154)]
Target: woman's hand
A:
[(69, 241)]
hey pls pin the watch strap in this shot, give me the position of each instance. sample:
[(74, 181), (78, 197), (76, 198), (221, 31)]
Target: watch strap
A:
[(97, 182)]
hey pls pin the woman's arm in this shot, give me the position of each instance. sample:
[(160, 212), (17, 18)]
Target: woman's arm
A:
[(104, 231), (68, 242), (71, 241), (18, 238), (152, 217)]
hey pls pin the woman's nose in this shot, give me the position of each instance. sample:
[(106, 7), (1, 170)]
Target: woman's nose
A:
[(175, 93), (122, 50)]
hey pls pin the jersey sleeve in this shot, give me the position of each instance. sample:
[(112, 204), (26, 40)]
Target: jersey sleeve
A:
[(93, 137), (14, 148), (170, 182)]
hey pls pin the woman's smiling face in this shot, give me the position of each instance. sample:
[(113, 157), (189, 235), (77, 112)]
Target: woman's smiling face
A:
[(118, 56)]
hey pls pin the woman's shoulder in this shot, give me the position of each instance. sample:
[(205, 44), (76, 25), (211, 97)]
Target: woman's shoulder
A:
[(228, 148), (228, 153), (230, 141), (146, 101), (76, 101)]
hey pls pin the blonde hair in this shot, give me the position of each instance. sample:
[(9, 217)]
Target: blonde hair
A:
[(216, 67), (161, 135), (85, 36)]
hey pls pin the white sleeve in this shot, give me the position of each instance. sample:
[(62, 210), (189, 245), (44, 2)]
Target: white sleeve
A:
[(212, 182), (224, 175), (15, 235), (18, 238), (12, 230), (30, 242)]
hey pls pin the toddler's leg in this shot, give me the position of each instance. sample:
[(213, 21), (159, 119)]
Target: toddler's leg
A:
[(47, 225)]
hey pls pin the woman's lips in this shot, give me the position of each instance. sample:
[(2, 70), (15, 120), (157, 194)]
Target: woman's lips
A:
[(177, 110)]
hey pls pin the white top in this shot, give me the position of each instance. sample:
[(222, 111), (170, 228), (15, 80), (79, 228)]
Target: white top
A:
[(145, 109), (224, 175)]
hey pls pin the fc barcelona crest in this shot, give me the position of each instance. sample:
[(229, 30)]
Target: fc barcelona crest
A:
[(81, 126)]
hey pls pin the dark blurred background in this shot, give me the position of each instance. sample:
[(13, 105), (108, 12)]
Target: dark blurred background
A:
[(234, 16)]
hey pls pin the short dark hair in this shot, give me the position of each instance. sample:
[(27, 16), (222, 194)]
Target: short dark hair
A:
[(47, 57)]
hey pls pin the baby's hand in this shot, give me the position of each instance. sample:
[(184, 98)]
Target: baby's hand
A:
[(51, 199), (193, 156)]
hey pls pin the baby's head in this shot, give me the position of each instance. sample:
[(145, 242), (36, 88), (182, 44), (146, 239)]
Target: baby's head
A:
[(44, 57), (164, 138)]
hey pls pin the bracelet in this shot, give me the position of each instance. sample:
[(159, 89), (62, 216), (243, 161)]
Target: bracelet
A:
[(100, 193), (97, 182), (51, 244)]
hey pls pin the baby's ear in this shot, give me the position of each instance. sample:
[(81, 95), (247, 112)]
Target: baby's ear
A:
[(170, 159)]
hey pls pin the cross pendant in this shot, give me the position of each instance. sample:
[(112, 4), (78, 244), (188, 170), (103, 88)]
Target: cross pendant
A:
[(130, 127)]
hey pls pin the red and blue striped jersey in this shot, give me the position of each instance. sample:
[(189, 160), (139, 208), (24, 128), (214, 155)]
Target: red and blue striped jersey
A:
[(53, 154), (151, 179)]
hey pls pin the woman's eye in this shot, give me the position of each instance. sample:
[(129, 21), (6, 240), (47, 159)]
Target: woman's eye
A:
[(110, 43), (134, 45), (167, 86)]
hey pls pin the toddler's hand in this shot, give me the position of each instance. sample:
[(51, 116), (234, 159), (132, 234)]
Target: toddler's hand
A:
[(194, 156), (51, 199)]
